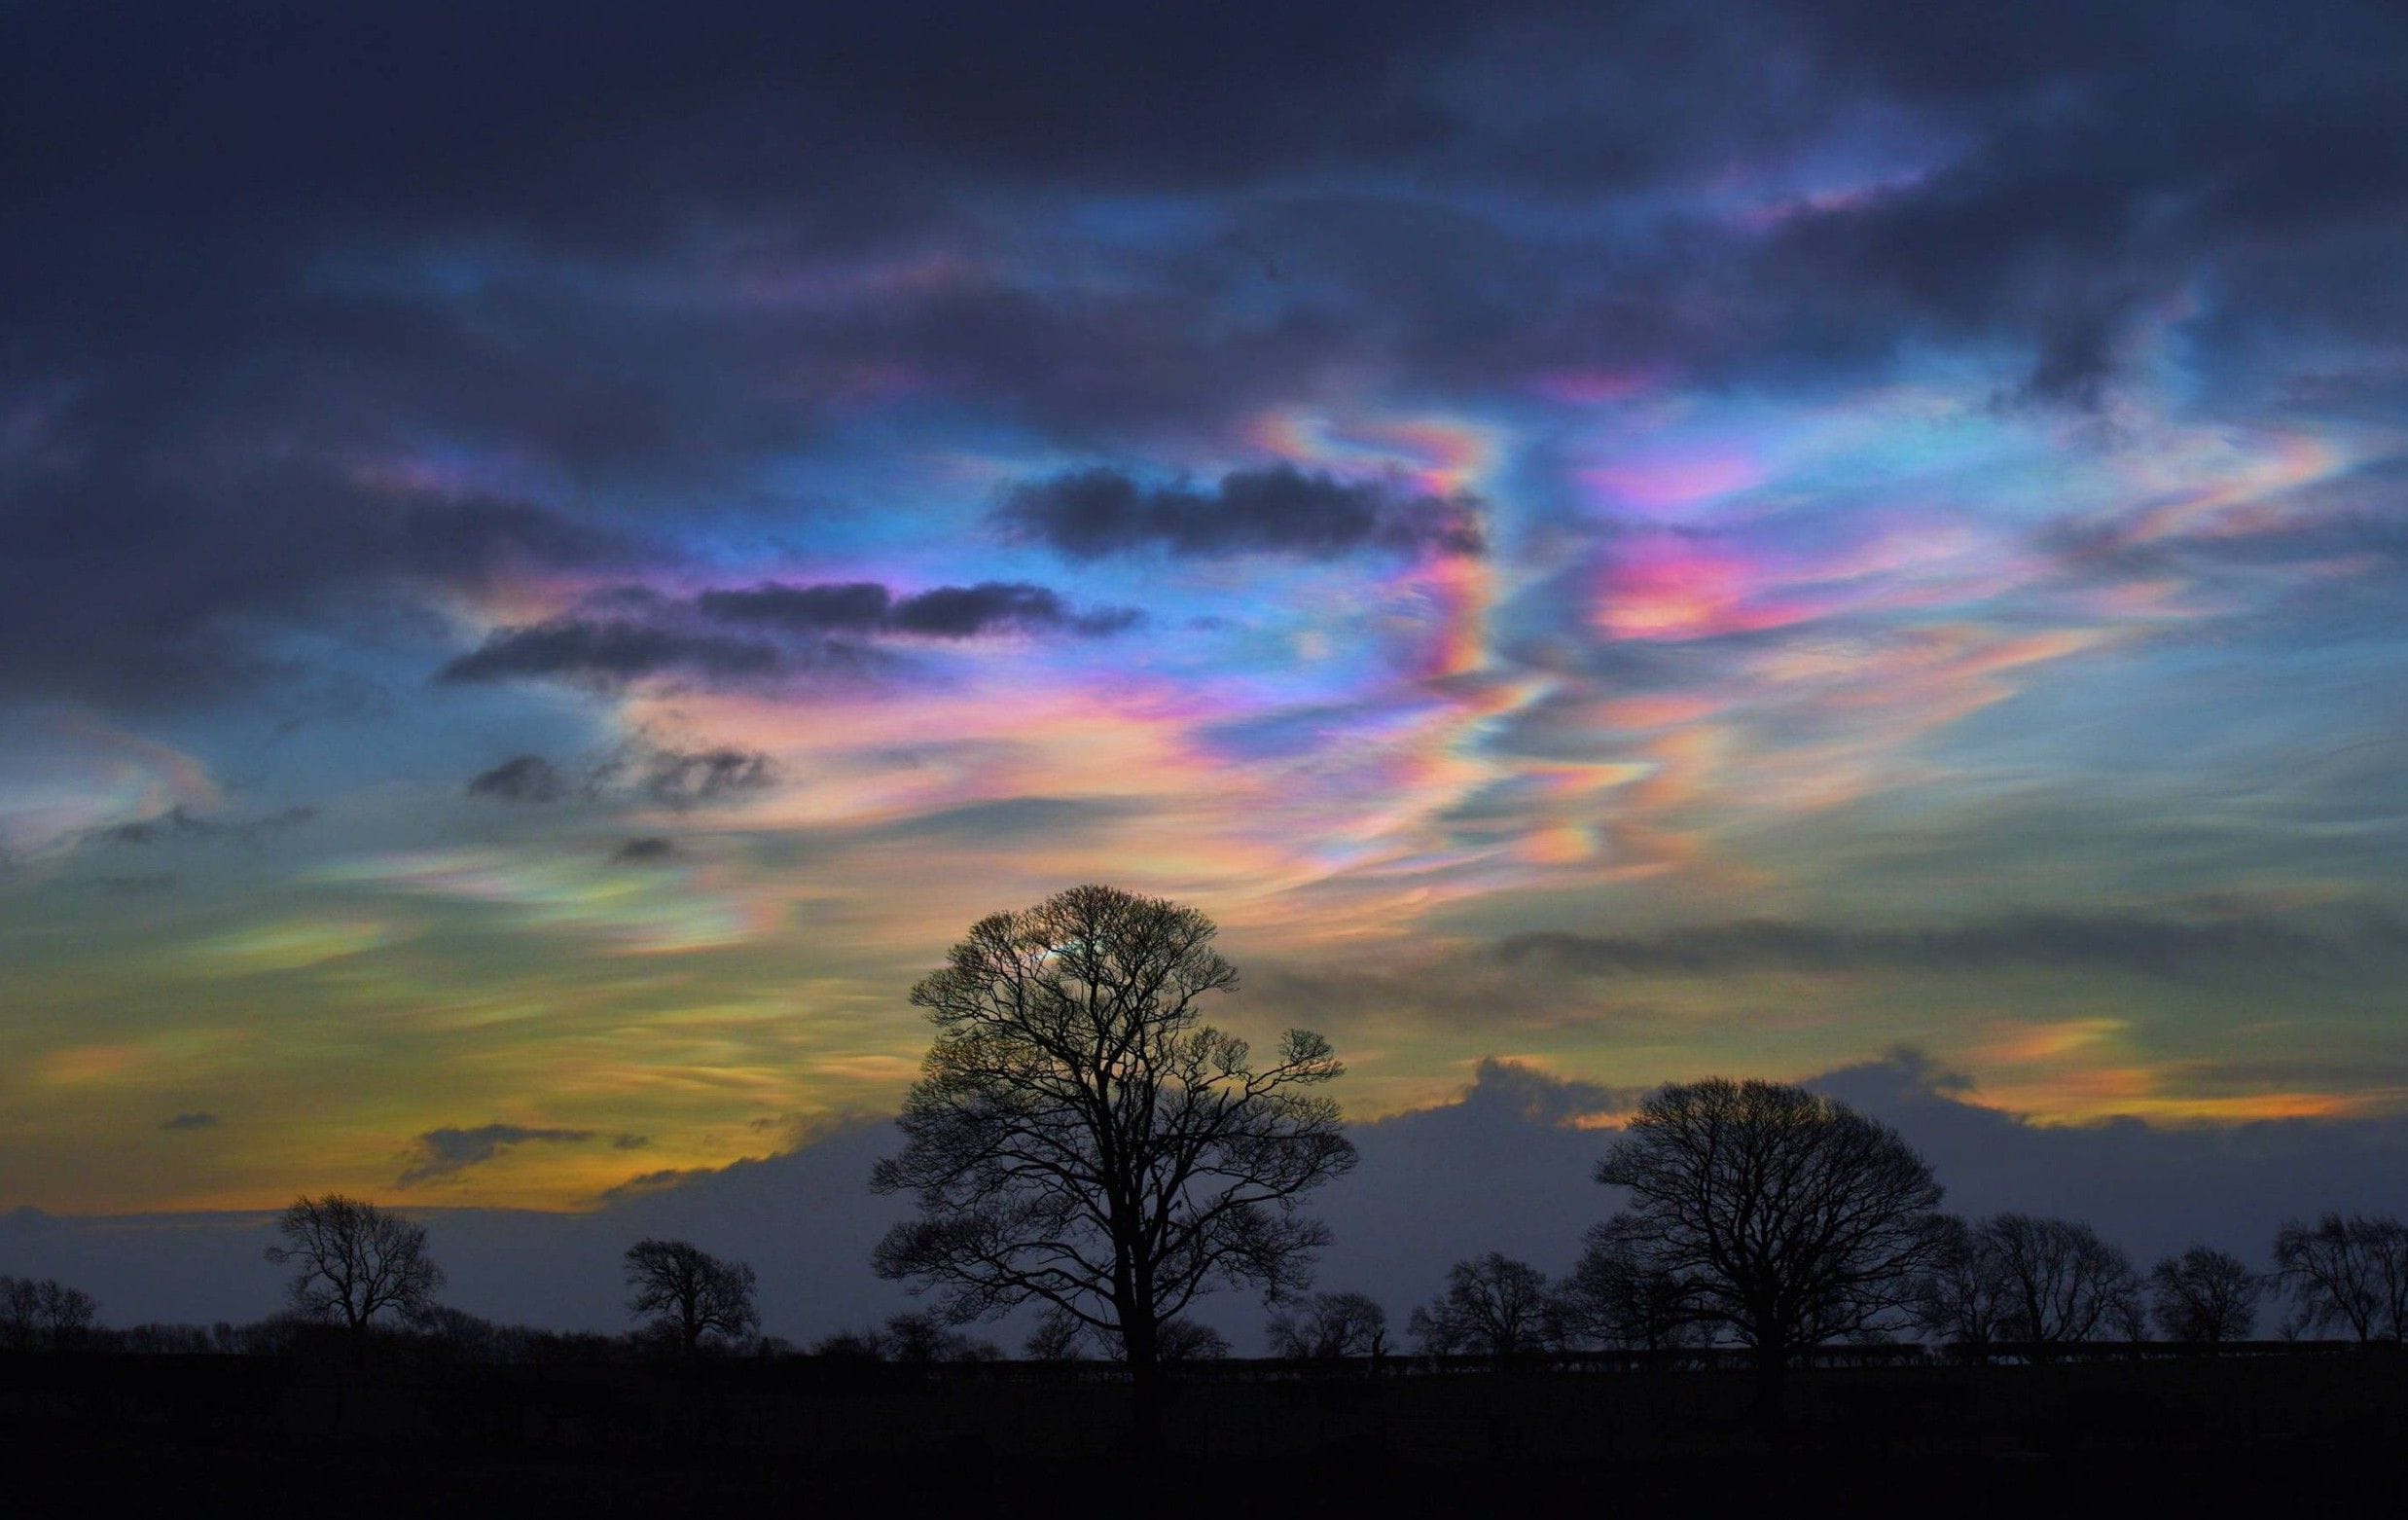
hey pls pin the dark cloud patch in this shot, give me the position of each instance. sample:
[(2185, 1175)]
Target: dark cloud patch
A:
[(1530, 1096), (685, 778), (854, 606), (447, 1152), (146, 885), (522, 779), (182, 824), (942, 612), (967, 611), (613, 653), (185, 1123), (1089, 513), (645, 773), (765, 633), (650, 849), (2134, 942)]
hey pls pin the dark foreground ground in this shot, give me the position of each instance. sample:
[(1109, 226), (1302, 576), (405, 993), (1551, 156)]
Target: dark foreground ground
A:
[(205, 1432)]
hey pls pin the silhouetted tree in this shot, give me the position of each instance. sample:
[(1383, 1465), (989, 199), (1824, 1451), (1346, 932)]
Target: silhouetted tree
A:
[(1493, 1306), (691, 1293), (1079, 1138), (2205, 1296), (2346, 1270), (1331, 1326), (356, 1261), (42, 1312), (2064, 1282), (1963, 1296), (1792, 1218), (1618, 1296)]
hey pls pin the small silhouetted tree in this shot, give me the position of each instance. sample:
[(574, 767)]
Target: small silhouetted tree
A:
[(1078, 1137), (2064, 1282), (690, 1293), (924, 1338), (1963, 1297), (851, 1346), (1493, 1306), (356, 1262), (2348, 1270), (1329, 1326), (1617, 1296), (1058, 1337), (1792, 1218), (1182, 1339), (2205, 1296)]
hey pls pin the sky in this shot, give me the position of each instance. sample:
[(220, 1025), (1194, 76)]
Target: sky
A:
[(554, 558)]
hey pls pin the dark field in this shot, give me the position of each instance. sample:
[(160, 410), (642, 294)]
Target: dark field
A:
[(777, 1435)]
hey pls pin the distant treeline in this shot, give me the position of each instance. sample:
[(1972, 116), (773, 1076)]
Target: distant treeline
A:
[(2012, 1288)]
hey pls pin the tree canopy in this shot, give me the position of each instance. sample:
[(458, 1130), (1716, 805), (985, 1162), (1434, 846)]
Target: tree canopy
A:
[(1785, 1217)]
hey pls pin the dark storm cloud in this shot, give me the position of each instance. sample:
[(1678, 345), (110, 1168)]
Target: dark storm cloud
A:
[(1089, 513), (527, 778), (244, 256), (2134, 942), (126, 574), (2115, 158)]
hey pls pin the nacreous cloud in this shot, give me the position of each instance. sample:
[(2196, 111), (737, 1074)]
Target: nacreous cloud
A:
[(1089, 513)]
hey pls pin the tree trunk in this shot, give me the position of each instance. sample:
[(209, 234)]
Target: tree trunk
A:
[(1772, 1380), (1146, 1384)]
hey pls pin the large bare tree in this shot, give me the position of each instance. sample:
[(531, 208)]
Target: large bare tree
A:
[(1791, 1217), (2346, 1270), (1329, 1326), (2205, 1296), (1079, 1138), (1493, 1306), (691, 1292), (2063, 1281), (356, 1262)]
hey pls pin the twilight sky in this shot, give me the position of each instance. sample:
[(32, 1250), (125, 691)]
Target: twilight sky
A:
[(551, 562)]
